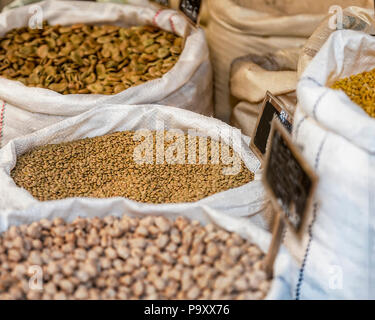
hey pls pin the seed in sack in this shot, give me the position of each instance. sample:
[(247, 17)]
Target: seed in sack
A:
[(87, 59), (115, 165), (93, 258), (360, 89)]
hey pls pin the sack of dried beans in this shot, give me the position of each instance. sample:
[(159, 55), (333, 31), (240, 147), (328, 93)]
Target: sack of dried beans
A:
[(87, 54), (121, 256), (139, 161), (140, 158), (335, 128)]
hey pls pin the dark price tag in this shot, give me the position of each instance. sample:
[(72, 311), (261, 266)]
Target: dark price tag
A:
[(289, 179), (191, 9), (271, 107), (164, 3)]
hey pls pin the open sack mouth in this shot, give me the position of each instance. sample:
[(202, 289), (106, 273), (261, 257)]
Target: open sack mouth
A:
[(360, 88), (145, 166), (84, 59), (130, 258)]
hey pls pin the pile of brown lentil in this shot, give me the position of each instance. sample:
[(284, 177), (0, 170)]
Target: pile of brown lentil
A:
[(360, 89), (104, 167), (129, 258), (87, 59)]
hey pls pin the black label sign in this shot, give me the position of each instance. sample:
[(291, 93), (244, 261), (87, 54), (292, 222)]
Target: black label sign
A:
[(271, 107), (191, 9), (289, 179), (164, 3)]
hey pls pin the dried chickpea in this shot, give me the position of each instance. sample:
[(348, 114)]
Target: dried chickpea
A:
[(168, 264)]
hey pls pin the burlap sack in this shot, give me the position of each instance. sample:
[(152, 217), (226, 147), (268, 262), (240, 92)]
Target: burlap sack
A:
[(245, 114), (239, 27), (292, 7), (188, 85), (252, 76), (4, 3)]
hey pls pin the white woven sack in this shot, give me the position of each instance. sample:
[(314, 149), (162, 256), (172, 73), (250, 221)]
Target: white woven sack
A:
[(188, 85), (359, 18), (247, 229), (336, 257), (242, 226), (247, 200)]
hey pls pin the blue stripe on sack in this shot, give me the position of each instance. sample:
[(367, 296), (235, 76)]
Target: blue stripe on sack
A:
[(310, 230), (317, 103), (311, 79), (299, 126), (320, 98)]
